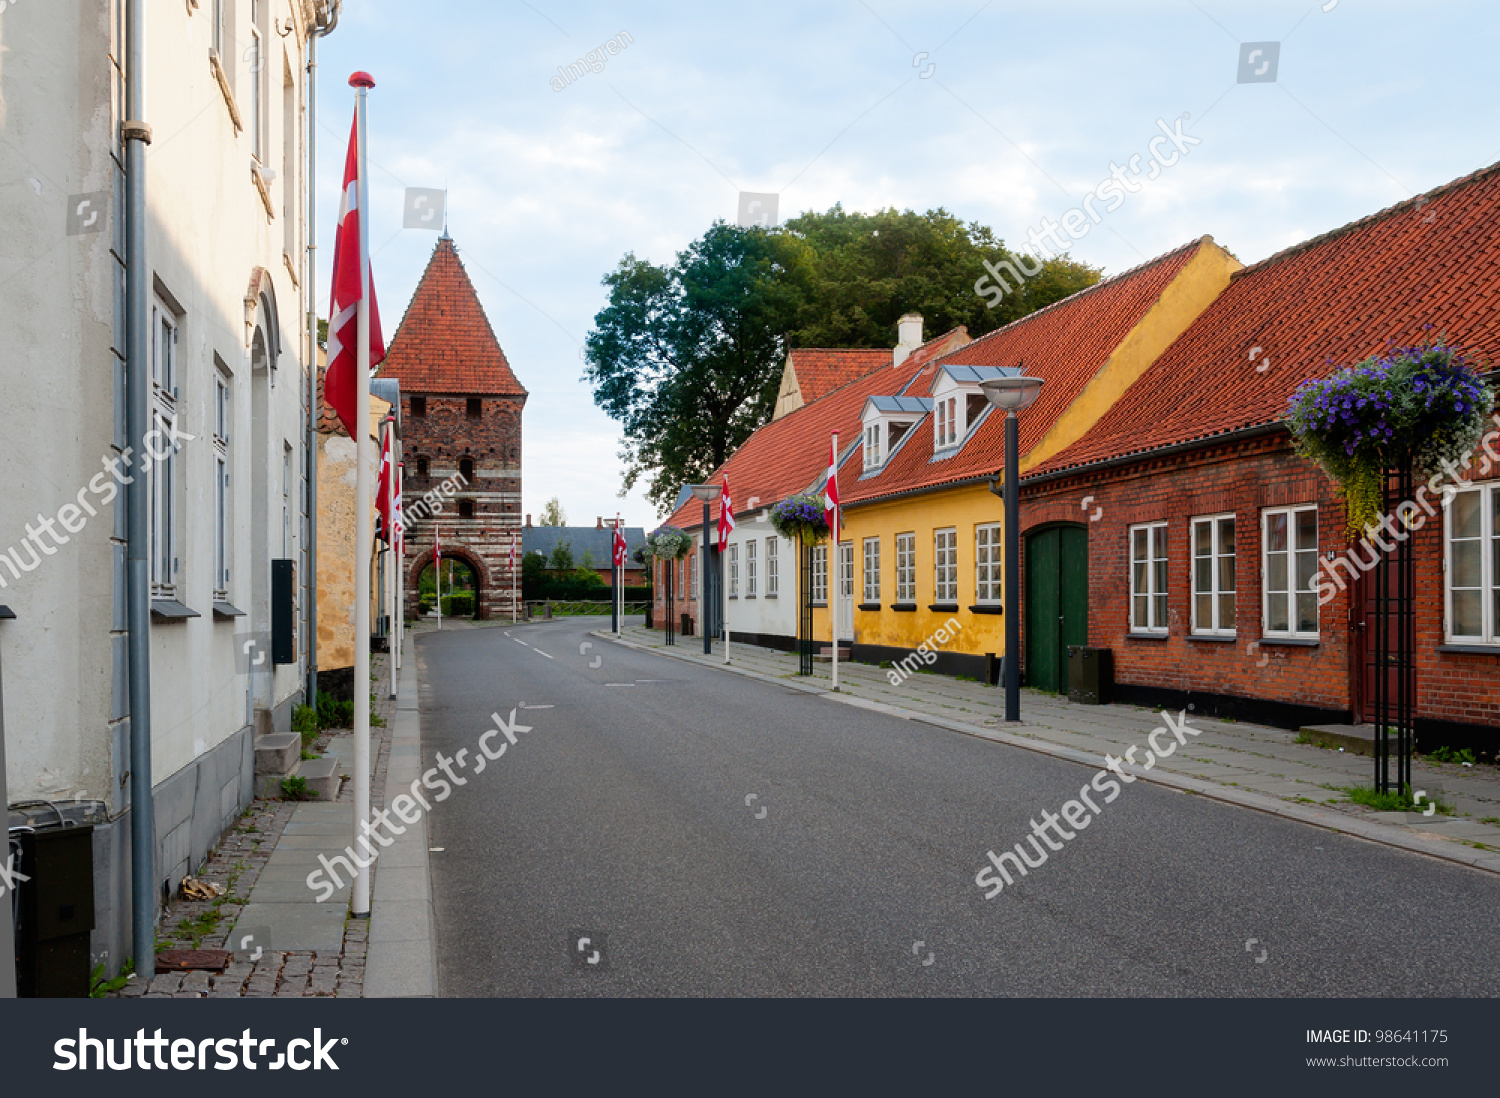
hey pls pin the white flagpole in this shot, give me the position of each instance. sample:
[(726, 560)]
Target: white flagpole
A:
[(437, 568), (515, 571), (838, 566), (389, 450), (723, 585), (360, 900), (619, 578), (398, 555)]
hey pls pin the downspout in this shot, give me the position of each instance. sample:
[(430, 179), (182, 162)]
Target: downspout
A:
[(310, 280), (136, 135)]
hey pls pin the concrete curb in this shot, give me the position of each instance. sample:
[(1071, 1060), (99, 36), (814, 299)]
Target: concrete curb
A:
[(401, 959), (1312, 815)]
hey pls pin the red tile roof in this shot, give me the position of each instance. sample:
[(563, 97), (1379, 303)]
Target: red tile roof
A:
[(445, 343), (1066, 343), (1329, 302), (790, 454), (821, 370)]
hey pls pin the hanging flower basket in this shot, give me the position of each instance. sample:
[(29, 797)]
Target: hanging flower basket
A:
[(669, 542), (801, 519), (1421, 405)]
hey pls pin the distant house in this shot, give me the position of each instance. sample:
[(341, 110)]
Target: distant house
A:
[(594, 540)]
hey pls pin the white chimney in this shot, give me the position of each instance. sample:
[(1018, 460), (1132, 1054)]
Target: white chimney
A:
[(909, 337)]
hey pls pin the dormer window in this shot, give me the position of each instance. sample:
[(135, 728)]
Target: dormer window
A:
[(886, 420), (959, 404)]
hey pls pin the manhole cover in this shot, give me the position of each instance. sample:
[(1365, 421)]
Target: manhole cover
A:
[(184, 960)]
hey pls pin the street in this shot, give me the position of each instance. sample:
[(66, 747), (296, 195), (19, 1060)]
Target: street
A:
[(712, 835)]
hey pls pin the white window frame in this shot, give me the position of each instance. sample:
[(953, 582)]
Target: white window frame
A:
[(945, 422), (773, 568), (872, 569), (1488, 539), (692, 575), (820, 575), (734, 570), (1215, 592), (257, 86), (945, 565), (872, 445), (989, 564), (750, 569), (906, 568), (163, 471), (222, 526), (1292, 593), (1157, 610)]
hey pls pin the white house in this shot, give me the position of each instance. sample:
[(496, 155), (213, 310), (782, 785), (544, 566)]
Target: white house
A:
[(223, 292)]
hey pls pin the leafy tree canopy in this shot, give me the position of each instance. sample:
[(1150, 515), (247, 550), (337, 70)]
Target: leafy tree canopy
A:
[(688, 357), (553, 513)]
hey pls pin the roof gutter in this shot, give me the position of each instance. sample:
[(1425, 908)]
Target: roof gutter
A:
[(1257, 431)]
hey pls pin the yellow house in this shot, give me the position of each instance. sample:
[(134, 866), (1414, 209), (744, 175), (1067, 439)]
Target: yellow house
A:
[(921, 546)]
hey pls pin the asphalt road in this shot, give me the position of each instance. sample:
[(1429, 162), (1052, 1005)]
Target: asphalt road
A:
[(622, 817)]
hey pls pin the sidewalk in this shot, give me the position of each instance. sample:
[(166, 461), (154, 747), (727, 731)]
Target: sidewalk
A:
[(1250, 765)]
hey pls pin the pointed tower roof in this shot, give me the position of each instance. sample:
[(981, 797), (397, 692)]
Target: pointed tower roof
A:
[(445, 343)]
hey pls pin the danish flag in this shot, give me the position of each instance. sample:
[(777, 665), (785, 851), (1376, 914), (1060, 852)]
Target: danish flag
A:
[(619, 544), (831, 490), (340, 383), (726, 513)]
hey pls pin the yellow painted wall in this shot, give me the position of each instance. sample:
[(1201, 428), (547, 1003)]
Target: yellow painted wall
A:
[(336, 475), (961, 508)]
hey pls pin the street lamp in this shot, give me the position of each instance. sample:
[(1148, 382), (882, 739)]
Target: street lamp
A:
[(1011, 395), (707, 493)]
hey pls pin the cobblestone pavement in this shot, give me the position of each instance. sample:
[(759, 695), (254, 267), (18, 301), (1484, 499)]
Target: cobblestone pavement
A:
[(235, 866), (1250, 757)]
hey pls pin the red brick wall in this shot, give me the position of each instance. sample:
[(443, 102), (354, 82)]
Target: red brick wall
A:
[(1244, 479), (445, 436)]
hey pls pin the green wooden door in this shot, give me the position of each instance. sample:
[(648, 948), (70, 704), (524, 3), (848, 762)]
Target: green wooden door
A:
[(1057, 603)]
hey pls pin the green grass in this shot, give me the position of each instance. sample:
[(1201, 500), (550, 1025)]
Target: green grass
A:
[(99, 987), (1390, 802), (294, 788), (1449, 755), (1490, 820)]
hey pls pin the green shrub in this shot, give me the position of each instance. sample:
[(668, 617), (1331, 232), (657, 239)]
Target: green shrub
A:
[(460, 604), (294, 788), (1449, 755), (333, 713)]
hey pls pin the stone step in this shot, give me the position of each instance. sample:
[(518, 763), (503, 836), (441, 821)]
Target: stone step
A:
[(276, 753), (322, 776), (1355, 739), (825, 653)]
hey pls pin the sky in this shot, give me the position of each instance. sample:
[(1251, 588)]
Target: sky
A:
[(1001, 113)]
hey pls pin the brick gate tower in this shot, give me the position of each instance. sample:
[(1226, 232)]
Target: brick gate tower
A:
[(461, 427)]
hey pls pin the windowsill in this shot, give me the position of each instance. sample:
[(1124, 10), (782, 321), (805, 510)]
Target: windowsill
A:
[(291, 270), (749, 597), (735, 598), (986, 608), (1291, 642), (1471, 649), (903, 607), (944, 607), (771, 596), (1213, 638), (261, 188), (223, 81), (224, 611), (869, 606), (1147, 636), (171, 610), (818, 605)]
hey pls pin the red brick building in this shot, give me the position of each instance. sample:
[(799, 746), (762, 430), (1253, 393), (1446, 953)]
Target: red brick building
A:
[(461, 422), (1184, 504)]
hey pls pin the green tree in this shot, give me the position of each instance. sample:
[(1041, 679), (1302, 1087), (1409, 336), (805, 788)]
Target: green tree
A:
[(562, 557), (688, 357), (553, 513)]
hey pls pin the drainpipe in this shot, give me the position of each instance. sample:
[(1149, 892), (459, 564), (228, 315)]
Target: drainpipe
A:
[(136, 135), (310, 280)]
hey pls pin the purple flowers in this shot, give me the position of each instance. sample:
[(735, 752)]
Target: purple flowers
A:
[(800, 517)]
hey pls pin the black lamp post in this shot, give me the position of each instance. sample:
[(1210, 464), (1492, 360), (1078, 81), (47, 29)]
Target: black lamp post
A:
[(1011, 395), (707, 493)]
